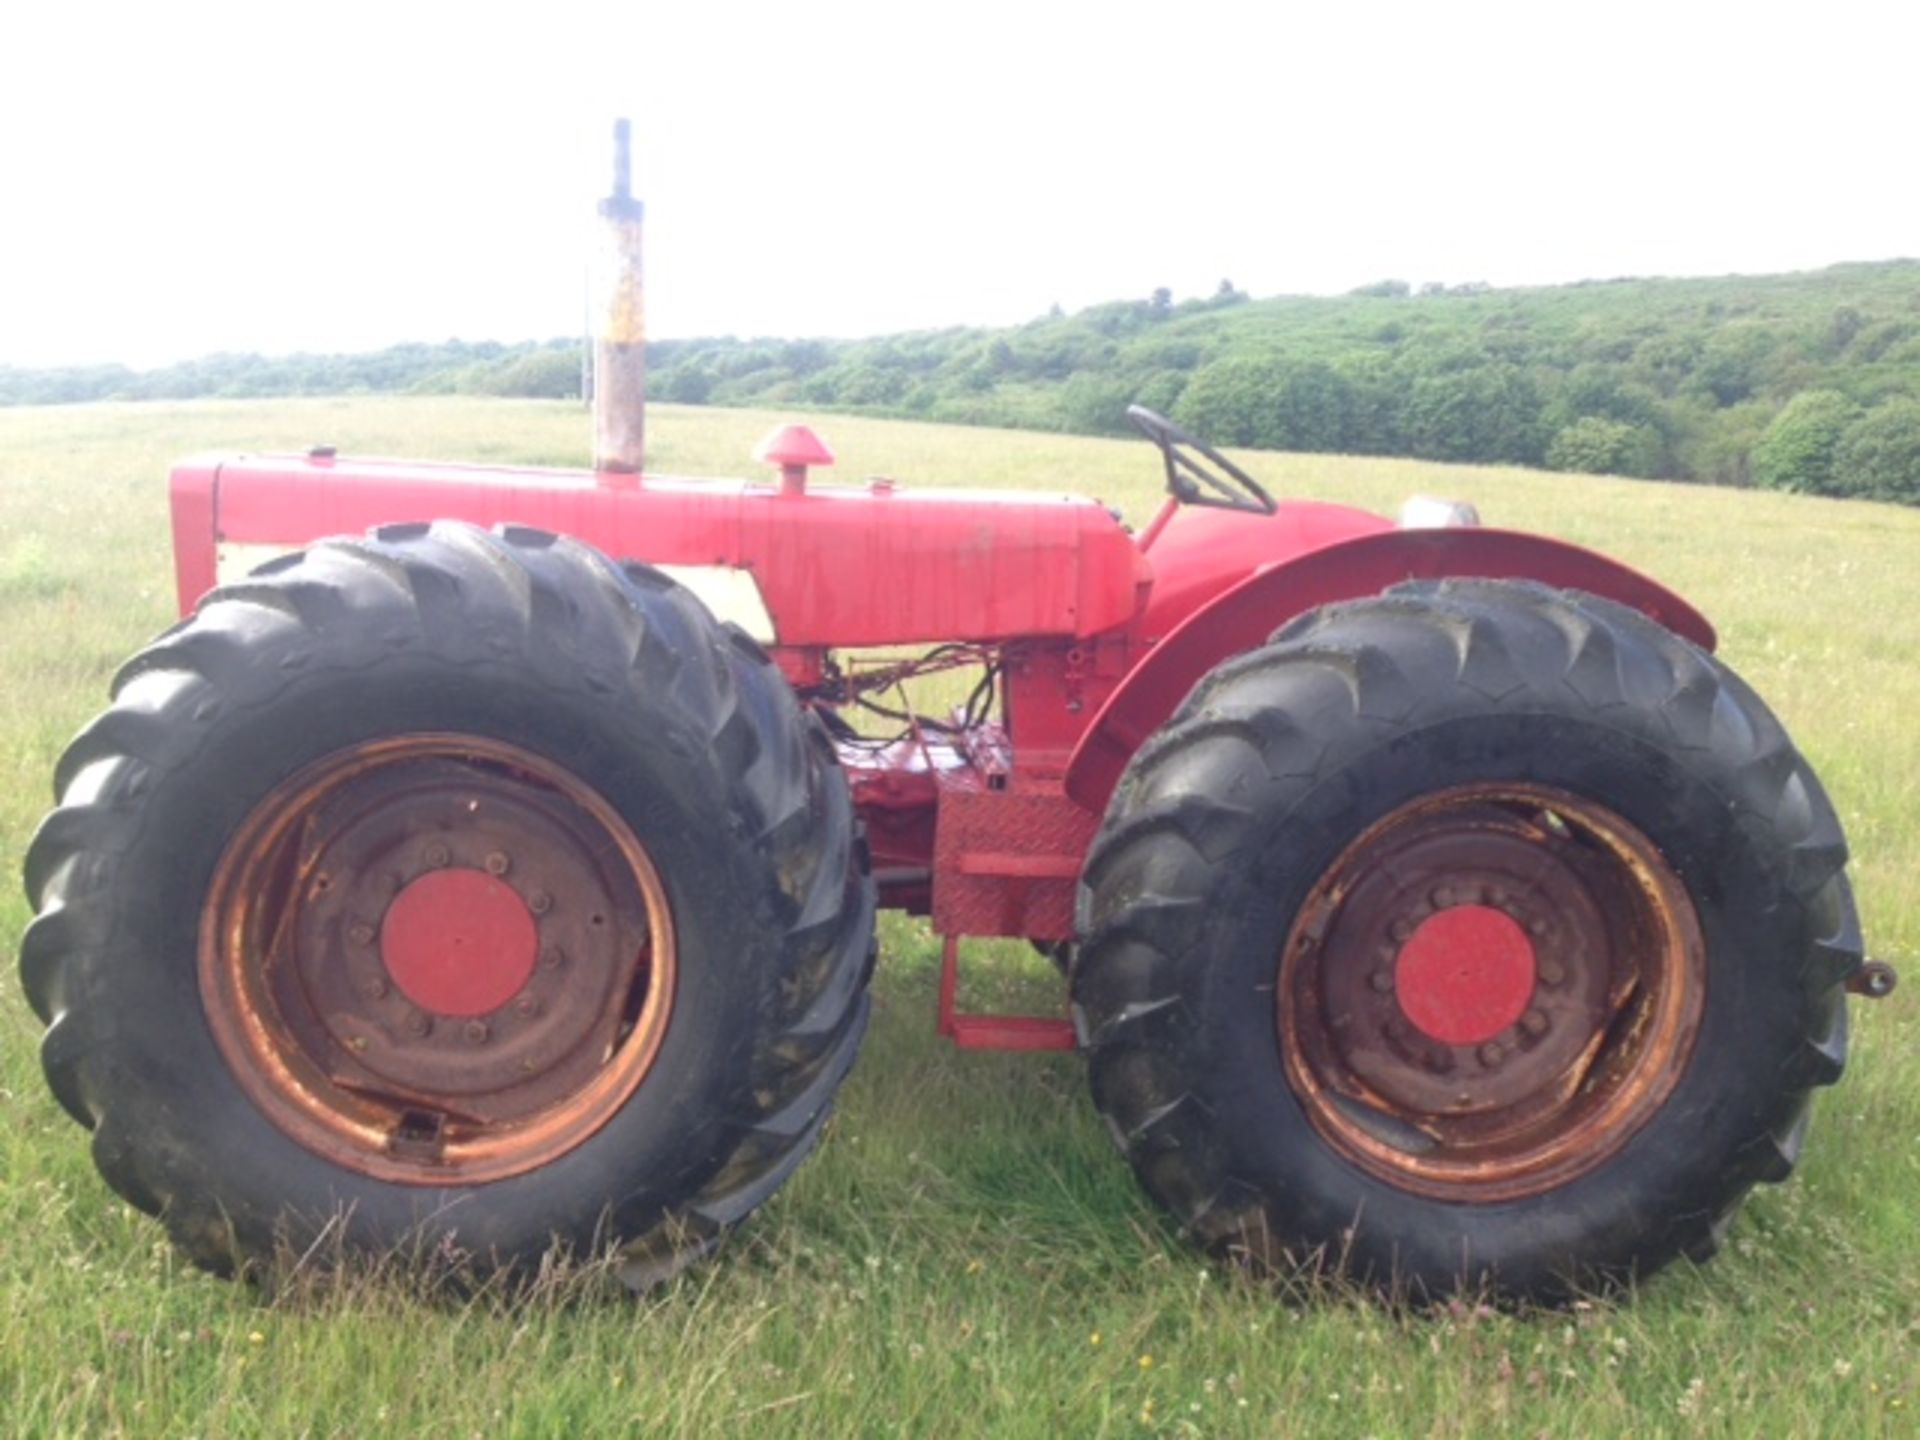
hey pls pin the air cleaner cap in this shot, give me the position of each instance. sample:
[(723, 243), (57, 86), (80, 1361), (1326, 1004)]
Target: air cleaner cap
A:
[(793, 445)]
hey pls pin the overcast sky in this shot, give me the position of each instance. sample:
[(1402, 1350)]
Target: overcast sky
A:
[(181, 177)]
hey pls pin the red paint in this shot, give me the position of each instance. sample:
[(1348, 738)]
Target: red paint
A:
[(992, 1032), (793, 448), (793, 445), (1198, 551), (1245, 615), (837, 565), (193, 499), (1011, 1032), (1465, 975), (1098, 635), (458, 942)]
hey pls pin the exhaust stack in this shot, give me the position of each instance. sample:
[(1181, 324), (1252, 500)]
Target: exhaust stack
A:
[(620, 340)]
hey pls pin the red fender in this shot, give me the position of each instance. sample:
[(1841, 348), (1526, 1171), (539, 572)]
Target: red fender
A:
[(1240, 618)]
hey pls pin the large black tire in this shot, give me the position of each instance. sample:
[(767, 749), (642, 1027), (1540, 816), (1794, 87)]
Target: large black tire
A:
[(613, 675), (1228, 819)]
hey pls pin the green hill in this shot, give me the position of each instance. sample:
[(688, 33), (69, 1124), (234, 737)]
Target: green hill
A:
[(1803, 382)]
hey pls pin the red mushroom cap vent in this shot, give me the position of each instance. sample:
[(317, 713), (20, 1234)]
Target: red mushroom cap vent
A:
[(793, 445)]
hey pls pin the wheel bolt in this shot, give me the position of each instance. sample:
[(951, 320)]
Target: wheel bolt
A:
[(360, 933), (1552, 972), (1439, 1061), (418, 1024), (497, 863), (1402, 930), (375, 989), (477, 1031), (539, 902), (1442, 897), (527, 1005), (1534, 1022), (1381, 980), (552, 958), (437, 854), (1491, 1054)]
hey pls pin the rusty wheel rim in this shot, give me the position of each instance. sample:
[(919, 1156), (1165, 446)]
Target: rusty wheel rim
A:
[(437, 959), (1490, 991)]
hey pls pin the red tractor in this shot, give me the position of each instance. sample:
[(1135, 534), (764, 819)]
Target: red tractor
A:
[(1434, 904)]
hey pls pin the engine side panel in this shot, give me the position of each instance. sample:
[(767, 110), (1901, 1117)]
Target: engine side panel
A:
[(837, 565), (1244, 616)]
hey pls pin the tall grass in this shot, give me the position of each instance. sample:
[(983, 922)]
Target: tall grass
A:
[(967, 1255)]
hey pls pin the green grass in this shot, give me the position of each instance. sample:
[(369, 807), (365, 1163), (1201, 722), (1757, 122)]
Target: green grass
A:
[(966, 1255)]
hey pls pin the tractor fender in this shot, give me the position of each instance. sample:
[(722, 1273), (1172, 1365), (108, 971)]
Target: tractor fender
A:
[(1244, 615)]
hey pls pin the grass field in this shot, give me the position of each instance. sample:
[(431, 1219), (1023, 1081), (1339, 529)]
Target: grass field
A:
[(966, 1255)]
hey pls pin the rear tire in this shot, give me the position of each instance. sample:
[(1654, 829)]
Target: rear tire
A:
[(647, 760), (1225, 985)]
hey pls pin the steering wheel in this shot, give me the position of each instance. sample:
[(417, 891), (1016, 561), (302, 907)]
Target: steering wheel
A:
[(1189, 480)]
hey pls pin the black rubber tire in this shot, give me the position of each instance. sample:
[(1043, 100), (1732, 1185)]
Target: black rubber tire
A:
[(615, 672), (1281, 757)]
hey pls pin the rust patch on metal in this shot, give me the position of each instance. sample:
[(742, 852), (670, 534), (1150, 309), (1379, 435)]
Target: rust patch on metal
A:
[(1619, 988), (337, 1055)]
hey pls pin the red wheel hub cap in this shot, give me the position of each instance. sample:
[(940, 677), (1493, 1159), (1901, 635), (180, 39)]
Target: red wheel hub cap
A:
[(458, 942), (1465, 975)]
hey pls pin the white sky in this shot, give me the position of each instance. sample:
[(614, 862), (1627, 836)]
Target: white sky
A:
[(178, 177)]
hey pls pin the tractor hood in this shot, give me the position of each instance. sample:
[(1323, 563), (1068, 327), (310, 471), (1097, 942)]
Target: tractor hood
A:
[(833, 565)]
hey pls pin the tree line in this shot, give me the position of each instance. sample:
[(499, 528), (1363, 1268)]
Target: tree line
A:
[(1806, 382)]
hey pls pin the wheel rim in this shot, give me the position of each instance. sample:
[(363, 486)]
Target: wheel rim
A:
[(1490, 991), (437, 959)]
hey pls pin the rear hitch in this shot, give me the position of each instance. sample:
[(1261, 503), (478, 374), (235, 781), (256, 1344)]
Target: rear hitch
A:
[(1875, 980)]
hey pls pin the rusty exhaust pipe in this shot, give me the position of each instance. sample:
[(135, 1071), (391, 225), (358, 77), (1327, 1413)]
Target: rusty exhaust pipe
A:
[(620, 339)]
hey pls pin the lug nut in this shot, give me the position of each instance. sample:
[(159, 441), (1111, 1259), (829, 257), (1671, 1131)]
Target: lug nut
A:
[(552, 958), (1491, 1054), (1402, 930), (1534, 1022), (1442, 896), (1381, 980), (1552, 972), (539, 902), (477, 1031), (497, 862), (527, 1005), (375, 989), (437, 854), (418, 1024), (360, 933)]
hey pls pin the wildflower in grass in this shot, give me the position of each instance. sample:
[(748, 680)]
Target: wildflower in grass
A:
[(1689, 1402), (256, 1338), (1842, 1369), (1146, 1362), (1094, 1339)]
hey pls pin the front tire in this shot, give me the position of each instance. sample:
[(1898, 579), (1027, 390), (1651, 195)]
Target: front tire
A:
[(1473, 936), (463, 890)]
